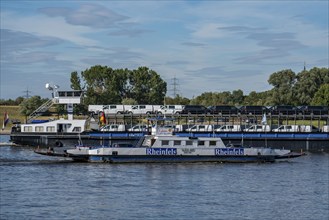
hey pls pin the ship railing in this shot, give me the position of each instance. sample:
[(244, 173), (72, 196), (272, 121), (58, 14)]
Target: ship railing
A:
[(42, 109)]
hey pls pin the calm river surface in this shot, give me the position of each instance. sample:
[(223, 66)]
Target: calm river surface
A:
[(38, 187)]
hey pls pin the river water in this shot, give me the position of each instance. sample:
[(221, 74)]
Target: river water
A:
[(39, 187)]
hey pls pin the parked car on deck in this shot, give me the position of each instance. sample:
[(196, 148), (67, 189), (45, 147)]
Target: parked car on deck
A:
[(139, 128), (113, 127), (141, 109), (253, 110), (229, 128), (223, 109), (315, 110), (195, 109), (284, 110), (115, 109), (258, 128), (287, 128), (201, 128), (170, 109)]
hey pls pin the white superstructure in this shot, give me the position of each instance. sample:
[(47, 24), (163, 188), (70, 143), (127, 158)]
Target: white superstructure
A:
[(56, 126)]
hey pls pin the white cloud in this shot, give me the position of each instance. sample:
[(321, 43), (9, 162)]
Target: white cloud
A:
[(47, 26)]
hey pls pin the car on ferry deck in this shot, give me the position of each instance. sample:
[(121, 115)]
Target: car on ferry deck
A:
[(223, 109), (195, 109)]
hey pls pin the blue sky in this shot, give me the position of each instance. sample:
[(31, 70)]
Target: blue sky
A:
[(208, 46)]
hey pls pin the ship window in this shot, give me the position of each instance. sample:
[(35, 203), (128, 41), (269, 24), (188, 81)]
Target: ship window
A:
[(38, 128), (61, 94), (76, 93), (201, 143), (177, 142), (76, 129), (212, 143), (189, 143), (50, 129), (164, 143), (28, 128)]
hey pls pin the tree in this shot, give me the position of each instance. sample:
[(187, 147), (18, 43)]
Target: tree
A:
[(129, 101), (252, 99), (97, 78), (321, 97), (205, 99), (104, 85), (75, 81), (258, 98), (121, 83), (308, 83), (237, 97), (283, 82), (178, 100), (147, 87), (223, 98), (28, 106), (19, 100)]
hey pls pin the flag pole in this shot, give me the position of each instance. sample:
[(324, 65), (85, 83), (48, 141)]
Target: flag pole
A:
[(264, 122)]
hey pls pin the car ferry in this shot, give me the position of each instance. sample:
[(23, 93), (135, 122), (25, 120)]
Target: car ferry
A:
[(168, 148)]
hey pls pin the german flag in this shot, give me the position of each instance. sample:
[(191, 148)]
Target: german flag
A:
[(102, 119)]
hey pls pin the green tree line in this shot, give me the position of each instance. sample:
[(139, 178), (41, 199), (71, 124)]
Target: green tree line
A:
[(104, 85)]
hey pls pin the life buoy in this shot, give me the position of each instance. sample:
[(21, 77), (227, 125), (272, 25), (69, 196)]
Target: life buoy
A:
[(58, 144)]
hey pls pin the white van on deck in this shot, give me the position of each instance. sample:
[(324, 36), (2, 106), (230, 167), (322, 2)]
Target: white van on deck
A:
[(95, 109), (170, 109), (140, 109), (200, 128), (229, 128), (258, 128), (113, 127), (139, 128), (308, 128), (287, 128), (114, 109)]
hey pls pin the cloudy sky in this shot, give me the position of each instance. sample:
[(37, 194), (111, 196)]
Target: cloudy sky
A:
[(208, 46)]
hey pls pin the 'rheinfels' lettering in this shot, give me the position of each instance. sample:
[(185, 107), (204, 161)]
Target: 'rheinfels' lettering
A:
[(161, 151), (229, 151)]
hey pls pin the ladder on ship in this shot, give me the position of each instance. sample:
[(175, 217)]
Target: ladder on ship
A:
[(42, 109)]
